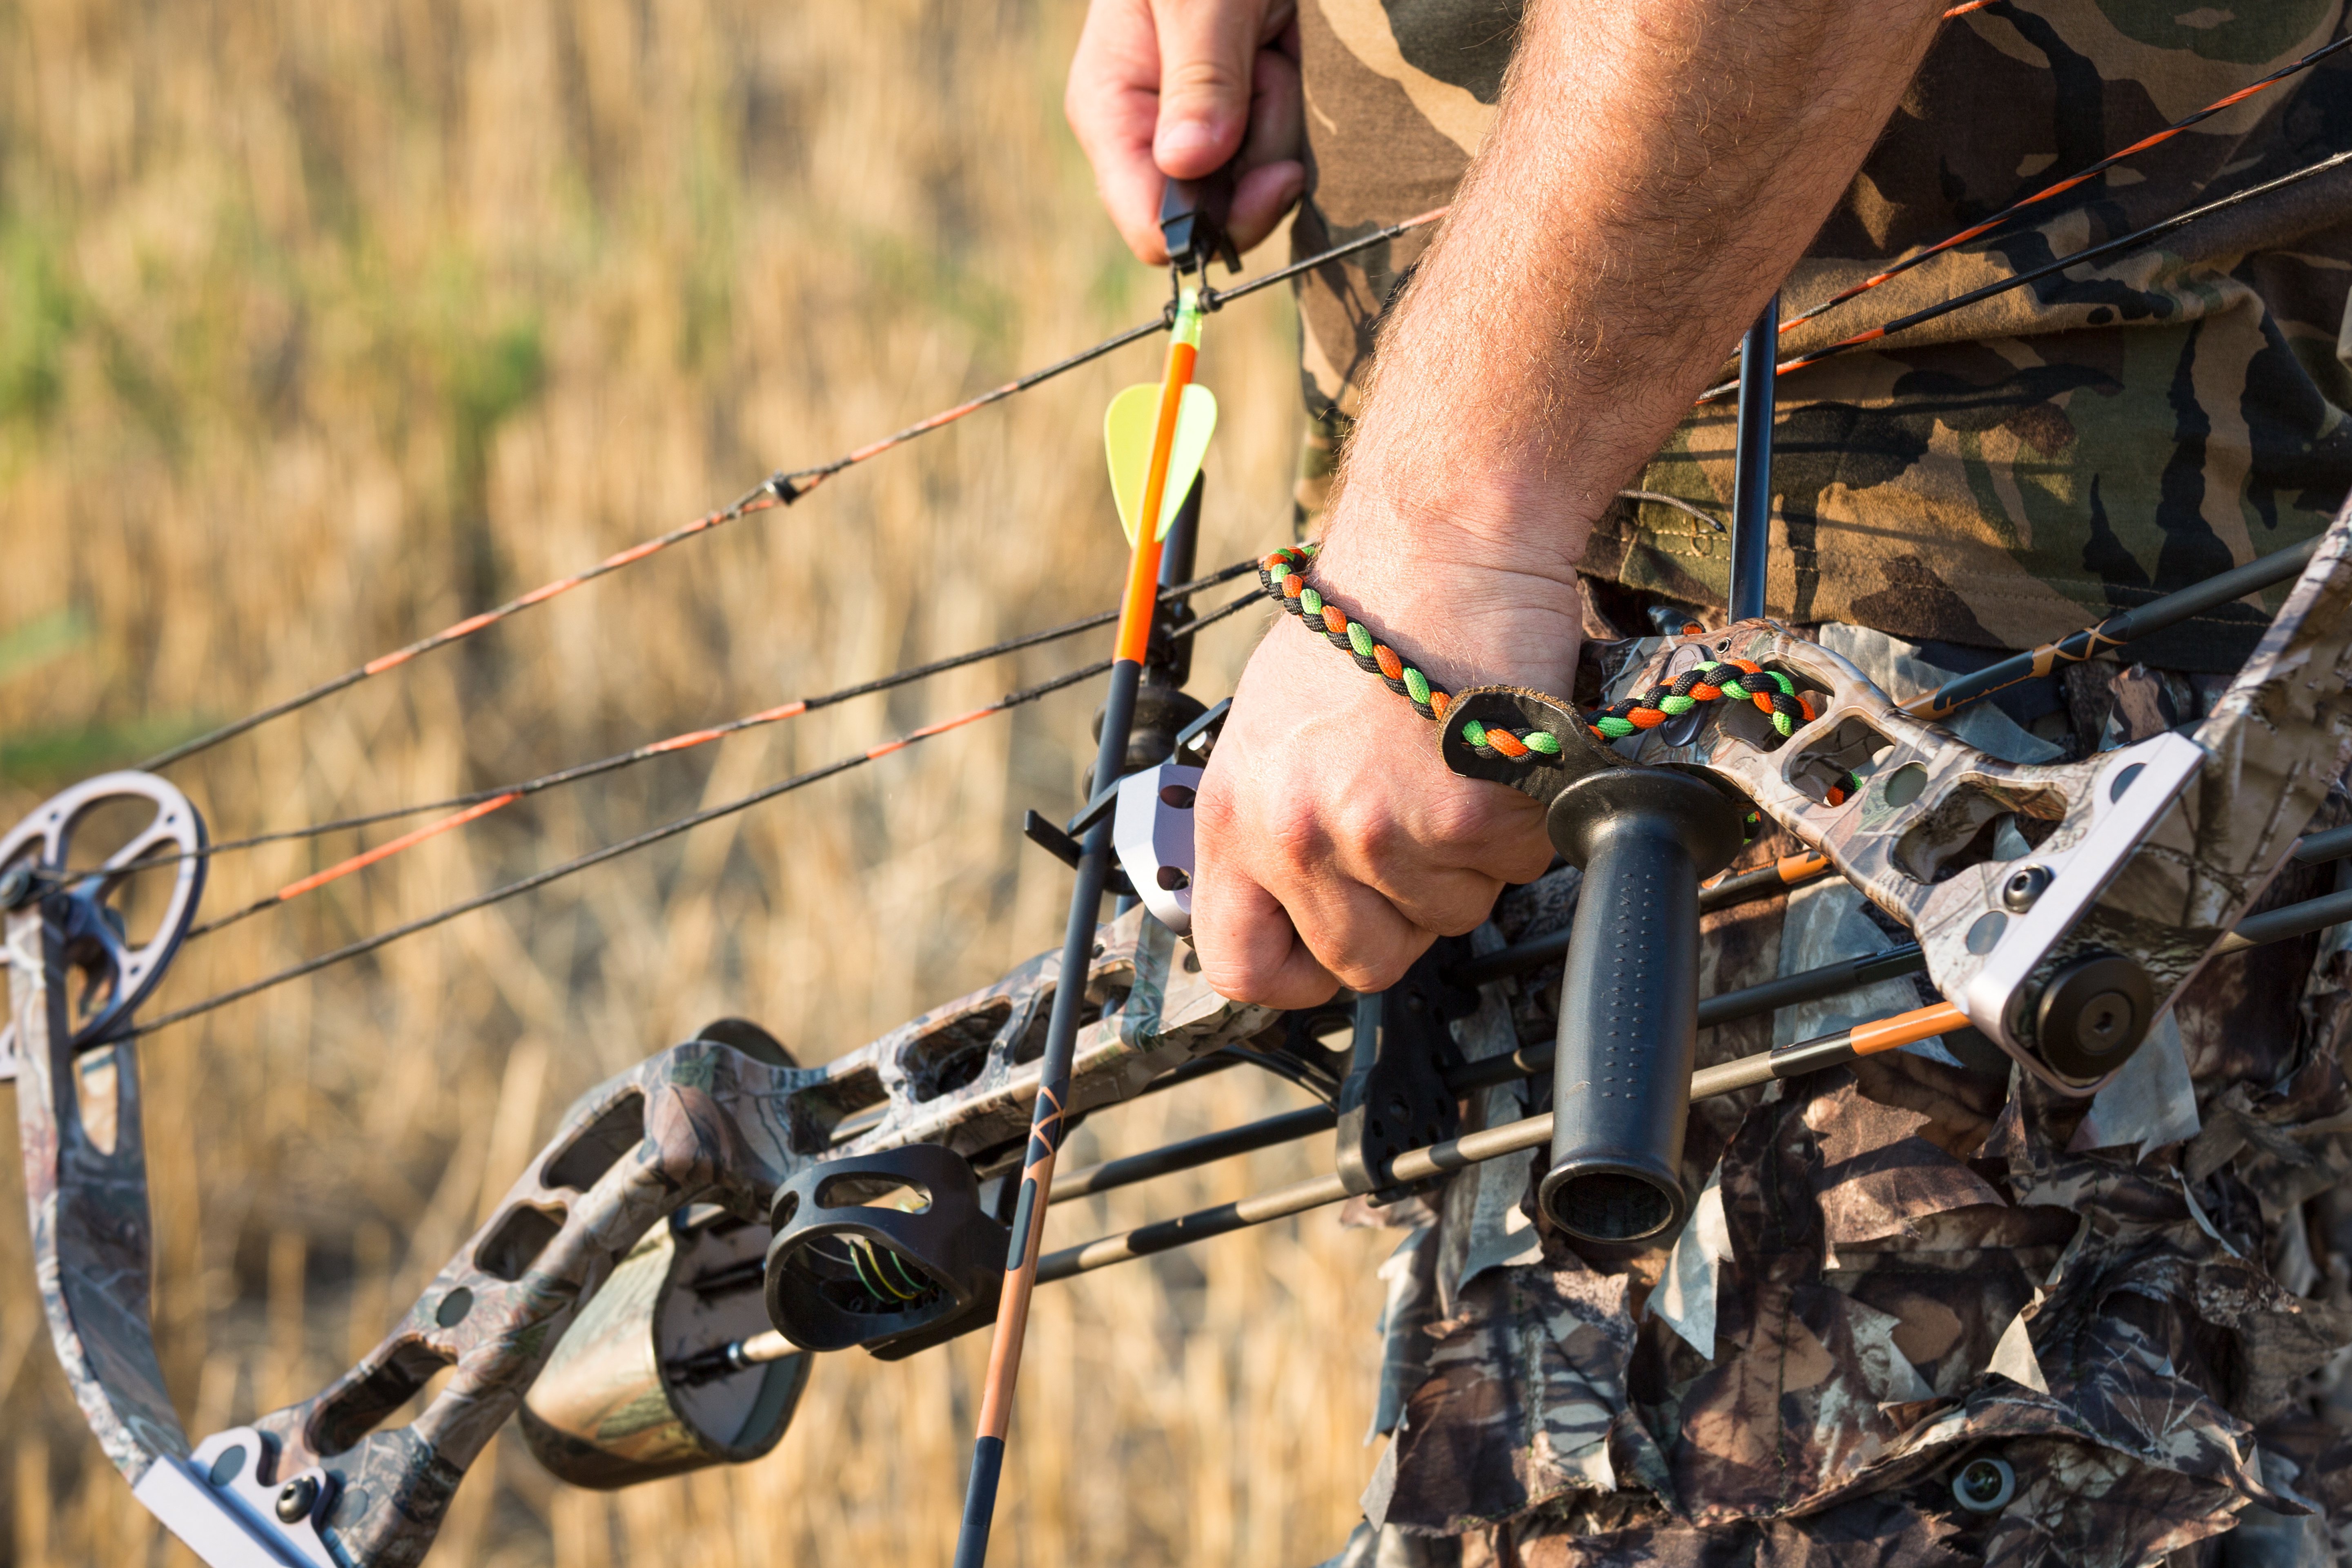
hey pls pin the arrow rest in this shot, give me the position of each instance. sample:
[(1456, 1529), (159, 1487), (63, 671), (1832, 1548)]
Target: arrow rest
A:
[(1152, 834)]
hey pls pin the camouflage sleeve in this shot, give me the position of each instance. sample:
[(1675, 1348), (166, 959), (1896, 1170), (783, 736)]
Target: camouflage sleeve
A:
[(2009, 472)]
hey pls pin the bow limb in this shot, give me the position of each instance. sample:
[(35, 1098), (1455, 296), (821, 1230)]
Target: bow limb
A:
[(612, 1264), (2273, 743), (78, 1120)]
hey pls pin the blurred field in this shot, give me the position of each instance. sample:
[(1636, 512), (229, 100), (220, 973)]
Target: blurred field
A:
[(322, 326)]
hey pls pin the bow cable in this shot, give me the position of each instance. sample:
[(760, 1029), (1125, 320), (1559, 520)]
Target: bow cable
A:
[(480, 803), (2086, 256), (1011, 700), (1973, 231)]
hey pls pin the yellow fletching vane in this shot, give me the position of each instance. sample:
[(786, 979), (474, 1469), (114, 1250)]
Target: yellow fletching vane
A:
[(1128, 425)]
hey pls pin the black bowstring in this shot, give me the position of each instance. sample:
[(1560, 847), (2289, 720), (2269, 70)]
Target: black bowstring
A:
[(652, 836), (780, 488), (2085, 257), (641, 754)]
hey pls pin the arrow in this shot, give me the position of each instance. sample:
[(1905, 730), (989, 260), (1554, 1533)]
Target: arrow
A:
[(1176, 438)]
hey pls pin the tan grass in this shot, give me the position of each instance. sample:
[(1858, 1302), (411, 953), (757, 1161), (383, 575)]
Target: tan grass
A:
[(320, 326)]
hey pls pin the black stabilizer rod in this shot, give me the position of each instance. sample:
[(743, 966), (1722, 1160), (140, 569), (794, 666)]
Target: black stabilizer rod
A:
[(1629, 999), (1751, 465)]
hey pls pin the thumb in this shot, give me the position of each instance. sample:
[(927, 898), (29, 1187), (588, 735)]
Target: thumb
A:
[(1206, 50)]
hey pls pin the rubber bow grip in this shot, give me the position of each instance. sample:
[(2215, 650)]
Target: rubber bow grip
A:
[(1629, 999)]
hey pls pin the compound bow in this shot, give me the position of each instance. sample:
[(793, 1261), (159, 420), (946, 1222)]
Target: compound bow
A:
[(647, 1296)]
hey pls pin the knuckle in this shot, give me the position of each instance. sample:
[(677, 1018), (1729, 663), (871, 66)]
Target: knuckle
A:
[(1466, 912), (1378, 971), (1295, 840), (1370, 825), (1231, 982), (1213, 76), (1231, 971), (1467, 808)]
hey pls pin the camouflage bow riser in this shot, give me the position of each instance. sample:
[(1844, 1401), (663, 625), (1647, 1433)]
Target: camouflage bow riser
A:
[(577, 1305), (2152, 851)]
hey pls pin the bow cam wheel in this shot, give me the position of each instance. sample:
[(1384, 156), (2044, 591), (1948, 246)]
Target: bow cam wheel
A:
[(114, 970)]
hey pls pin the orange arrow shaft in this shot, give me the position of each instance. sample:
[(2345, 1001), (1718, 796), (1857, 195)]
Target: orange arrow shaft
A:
[(1134, 611)]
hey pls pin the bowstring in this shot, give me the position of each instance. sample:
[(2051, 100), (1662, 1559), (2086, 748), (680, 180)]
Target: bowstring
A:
[(671, 830), (785, 487), (779, 489), (679, 742)]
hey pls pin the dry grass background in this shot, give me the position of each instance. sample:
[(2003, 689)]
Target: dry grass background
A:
[(320, 326)]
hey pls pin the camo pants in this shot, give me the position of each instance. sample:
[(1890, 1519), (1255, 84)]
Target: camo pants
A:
[(2137, 1303)]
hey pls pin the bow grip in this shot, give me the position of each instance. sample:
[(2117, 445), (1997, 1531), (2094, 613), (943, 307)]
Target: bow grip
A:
[(1629, 996), (1629, 999)]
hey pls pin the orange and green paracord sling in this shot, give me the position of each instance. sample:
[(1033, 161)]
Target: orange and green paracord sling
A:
[(1283, 575)]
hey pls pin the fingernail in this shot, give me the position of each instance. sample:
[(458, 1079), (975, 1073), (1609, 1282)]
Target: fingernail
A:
[(1184, 138)]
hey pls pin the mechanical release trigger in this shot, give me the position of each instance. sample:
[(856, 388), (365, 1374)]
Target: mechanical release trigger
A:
[(1193, 218)]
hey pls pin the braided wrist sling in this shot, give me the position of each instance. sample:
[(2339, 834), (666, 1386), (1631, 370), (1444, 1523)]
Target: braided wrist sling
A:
[(1283, 574)]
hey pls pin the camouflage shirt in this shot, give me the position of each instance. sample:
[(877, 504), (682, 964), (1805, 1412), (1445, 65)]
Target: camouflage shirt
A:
[(2007, 473)]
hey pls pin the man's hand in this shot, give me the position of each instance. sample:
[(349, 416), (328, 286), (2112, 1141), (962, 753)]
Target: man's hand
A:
[(1173, 88), (1655, 170), (1335, 845)]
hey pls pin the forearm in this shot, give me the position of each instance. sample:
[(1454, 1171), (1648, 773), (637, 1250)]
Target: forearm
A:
[(1653, 170)]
